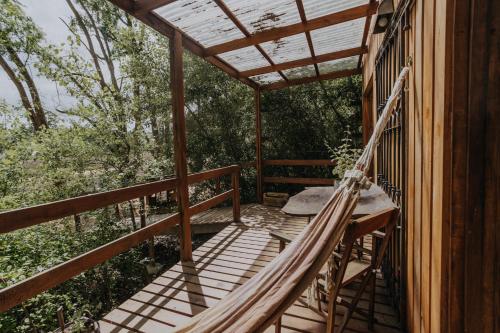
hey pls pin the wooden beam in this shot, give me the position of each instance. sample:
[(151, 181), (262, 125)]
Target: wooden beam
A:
[(235, 183), (300, 181), (21, 291), (306, 61), (281, 32), (258, 145), (210, 174), (144, 6), (303, 18), (209, 203), (165, 28), (179, 126), (365, 35), (244, 31), (329, 76), (299, 162), (25, 217)]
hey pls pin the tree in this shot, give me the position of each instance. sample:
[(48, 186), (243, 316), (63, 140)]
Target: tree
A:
[(118, 71), (20, 42)]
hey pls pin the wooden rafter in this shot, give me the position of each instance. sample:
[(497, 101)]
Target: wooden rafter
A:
[(244, 31), (305, 62), (165, 28), (293, 29), (303, 18), (365, 35), (144, 6), (329, 76)]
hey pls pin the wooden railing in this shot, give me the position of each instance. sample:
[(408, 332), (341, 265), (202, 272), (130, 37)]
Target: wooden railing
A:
[(298, 180), (30, 216), (233, 193)]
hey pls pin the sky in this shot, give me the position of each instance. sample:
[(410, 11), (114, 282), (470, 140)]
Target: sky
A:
[(47, 15)]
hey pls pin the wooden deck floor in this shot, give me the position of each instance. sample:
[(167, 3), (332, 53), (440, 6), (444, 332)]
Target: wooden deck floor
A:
[(219, 266)]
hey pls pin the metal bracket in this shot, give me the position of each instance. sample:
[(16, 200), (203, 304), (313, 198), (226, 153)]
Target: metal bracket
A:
[(409, 61)]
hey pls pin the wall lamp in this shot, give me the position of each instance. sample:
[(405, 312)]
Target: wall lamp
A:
[(384, 15)]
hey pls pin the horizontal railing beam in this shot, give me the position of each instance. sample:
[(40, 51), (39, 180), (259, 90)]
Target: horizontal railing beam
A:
[(210, 174), (299, 162), (21, 291), (25, 217), (301, 181), (250, 164), (209, 203)]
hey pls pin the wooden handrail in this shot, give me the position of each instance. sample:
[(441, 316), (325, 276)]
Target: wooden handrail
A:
[(301, 181), (213, 173), (249, 164), (21, 291), (299, 162), (209, 203), (25, 217)]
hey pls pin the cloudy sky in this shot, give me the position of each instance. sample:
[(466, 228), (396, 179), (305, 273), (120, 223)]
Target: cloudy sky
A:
[(47, 14)]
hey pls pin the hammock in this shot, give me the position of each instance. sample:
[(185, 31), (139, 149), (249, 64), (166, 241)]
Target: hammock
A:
[(259, 302)]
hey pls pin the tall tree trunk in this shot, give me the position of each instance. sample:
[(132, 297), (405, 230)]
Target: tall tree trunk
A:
[(34, 109)]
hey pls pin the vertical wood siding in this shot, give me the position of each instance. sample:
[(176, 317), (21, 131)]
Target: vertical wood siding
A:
[(424, 130), (452, 165)]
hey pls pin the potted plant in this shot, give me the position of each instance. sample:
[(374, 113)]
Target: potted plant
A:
[(345, 155)]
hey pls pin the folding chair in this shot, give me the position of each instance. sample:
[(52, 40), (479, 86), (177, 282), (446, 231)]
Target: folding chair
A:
[(349, 267)]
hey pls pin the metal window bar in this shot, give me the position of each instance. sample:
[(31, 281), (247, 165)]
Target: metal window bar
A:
[(391, 158)]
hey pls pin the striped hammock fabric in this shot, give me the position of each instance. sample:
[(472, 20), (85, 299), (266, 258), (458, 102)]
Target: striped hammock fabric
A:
[(258, 303)]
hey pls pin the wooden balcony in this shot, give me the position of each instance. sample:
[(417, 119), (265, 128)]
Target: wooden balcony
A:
[(222, 264)]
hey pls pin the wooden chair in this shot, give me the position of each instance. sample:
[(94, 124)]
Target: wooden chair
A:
[(351, 266)]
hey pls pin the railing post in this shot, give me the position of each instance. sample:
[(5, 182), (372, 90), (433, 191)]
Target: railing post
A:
[(179, 122), (258, 145), (235, 181)]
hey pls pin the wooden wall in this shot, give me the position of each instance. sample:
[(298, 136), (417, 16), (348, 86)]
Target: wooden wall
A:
[(451, 222)]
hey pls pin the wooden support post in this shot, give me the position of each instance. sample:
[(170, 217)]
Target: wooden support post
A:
[(179, 126), (235, 180), (258, 148)]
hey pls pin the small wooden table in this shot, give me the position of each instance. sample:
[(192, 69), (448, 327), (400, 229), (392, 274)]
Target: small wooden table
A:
[(310, 201)]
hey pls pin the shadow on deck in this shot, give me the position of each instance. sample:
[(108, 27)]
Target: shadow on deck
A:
[(222, 264)]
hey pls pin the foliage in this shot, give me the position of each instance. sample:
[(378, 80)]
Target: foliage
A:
[(297, 121), (21, 44), (345, 155)]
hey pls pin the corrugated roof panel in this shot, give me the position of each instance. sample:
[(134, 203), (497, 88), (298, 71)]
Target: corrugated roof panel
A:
[(259, 15), (245, 58), (317, 8), (338, 65), (338, 37), (299, 72), (202, 20), (267, 78), (288, 49)]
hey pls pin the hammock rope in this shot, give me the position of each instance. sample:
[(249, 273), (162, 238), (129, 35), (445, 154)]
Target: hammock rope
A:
[(259, 302)]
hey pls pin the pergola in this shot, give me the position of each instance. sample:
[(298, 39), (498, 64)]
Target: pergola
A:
[(264, 44)]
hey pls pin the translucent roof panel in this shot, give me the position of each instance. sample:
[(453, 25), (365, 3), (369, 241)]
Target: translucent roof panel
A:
[(288, 48), (259, 15), (203, 21), (267, 78), (317, 8), (338, 65), (338, 37), (245, 58), (298, 72)]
